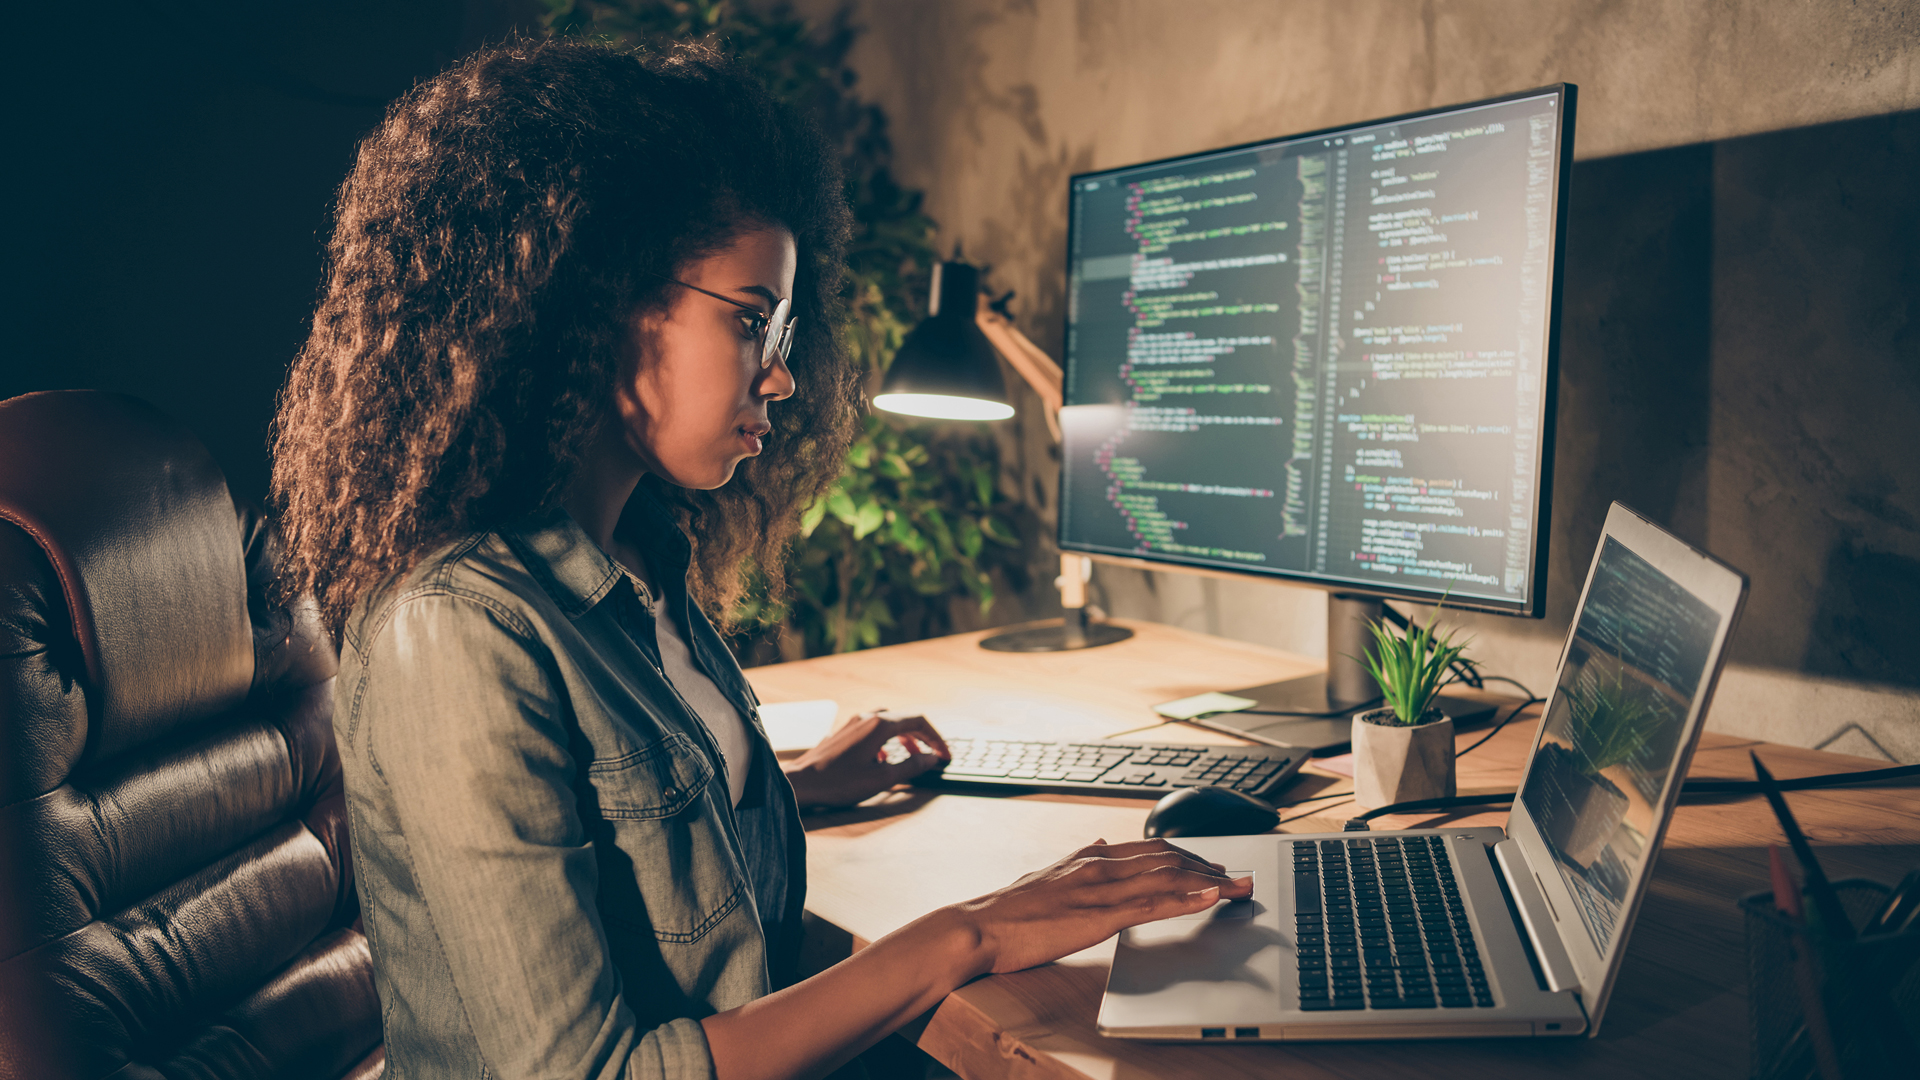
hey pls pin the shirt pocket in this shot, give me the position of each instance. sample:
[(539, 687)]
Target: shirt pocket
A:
[(652, 783), (666, 867)]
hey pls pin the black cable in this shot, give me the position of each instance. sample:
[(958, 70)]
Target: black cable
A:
[(1310, 813), (1511, 682), (1447, 803), (1717, 786), (1517, 710), (1700, 786)]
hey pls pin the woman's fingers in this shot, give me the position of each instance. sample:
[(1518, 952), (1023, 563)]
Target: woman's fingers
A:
[(1170, 879), (1094, 893), (890, 726), (1136, 847), (1118, 861), (919, 758)]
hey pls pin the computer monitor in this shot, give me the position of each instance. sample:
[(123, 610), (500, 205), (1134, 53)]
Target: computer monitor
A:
[(1325, 359)]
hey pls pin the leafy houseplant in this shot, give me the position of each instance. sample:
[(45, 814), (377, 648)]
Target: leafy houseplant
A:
[(916, 519), (1404, 751), (1412, 667)]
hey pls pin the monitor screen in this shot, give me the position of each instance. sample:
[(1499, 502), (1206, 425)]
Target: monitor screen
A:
[(1638, 657), (1326, 358)]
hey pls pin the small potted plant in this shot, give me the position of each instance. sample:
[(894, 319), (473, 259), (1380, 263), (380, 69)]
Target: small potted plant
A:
[(1404, 750)]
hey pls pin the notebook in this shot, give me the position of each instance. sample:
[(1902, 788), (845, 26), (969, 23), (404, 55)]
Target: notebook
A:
[(1468, 932)]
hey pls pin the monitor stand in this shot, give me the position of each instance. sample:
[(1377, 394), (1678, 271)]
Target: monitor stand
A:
[(1329, 701)]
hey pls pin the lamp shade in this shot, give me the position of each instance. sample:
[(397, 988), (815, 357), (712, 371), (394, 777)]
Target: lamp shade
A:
[(947, 369)]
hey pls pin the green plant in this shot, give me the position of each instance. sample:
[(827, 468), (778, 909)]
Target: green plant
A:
[(916, 517), (1412, 667), (1612, 720)]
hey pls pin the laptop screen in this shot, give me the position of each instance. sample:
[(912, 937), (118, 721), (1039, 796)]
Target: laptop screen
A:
[(1611, 738)]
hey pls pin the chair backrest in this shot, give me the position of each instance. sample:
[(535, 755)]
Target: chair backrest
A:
[(175, 891)]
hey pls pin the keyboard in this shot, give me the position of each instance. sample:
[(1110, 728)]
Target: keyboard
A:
[(1380, 925), (1114, 768)]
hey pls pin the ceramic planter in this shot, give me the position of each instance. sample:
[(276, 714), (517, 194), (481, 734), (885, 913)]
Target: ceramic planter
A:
[(1395, 763)]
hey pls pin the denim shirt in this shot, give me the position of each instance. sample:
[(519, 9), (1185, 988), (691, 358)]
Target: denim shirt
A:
[(553, 880)]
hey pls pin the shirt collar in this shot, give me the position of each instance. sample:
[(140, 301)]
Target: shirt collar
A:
[(578, 575)]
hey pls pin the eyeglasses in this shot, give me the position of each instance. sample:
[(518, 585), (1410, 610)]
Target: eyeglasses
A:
[(775, 332)]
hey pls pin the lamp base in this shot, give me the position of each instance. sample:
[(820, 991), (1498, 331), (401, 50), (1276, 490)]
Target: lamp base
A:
[(1073, 632)]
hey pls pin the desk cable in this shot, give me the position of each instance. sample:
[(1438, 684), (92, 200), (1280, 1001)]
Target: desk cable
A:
[(1700, 786)]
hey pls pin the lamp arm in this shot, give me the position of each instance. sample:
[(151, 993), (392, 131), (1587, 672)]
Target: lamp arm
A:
[(1047, 380), (1031, 361)]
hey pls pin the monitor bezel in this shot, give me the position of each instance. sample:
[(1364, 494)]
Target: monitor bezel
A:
[(1534, 606)]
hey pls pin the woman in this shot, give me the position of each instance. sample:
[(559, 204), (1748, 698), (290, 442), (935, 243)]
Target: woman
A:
[(573, 371)]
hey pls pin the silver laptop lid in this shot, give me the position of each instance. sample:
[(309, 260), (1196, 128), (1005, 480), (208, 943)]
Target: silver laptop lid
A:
[(1635, 678)]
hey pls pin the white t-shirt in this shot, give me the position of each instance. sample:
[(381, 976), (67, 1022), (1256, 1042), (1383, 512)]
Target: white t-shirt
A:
[(709, 704)]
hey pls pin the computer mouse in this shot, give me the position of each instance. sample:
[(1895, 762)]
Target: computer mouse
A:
[(1209, 811)]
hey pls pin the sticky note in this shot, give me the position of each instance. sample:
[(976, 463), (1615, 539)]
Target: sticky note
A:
[(1187, 708)]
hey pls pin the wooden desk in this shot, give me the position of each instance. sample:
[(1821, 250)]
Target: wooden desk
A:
[(1679, 1008)]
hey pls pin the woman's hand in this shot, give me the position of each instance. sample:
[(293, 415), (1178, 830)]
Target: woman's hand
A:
[(851, 764), (1089, 896), (1092, 894)]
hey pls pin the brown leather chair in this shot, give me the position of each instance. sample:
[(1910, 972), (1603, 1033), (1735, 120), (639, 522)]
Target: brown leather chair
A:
[(176, 898)]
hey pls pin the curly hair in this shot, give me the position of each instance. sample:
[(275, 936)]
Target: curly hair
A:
[(493, 236)]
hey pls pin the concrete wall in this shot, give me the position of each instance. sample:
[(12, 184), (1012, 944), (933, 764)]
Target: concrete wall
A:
[(1740, 357)]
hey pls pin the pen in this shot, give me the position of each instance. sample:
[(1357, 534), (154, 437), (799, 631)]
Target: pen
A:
[(1899, 908), (1786, 896), (1833, 917), (1806, 978)]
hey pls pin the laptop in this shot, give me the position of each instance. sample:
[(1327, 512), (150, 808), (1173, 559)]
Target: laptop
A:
[(1468, 932)]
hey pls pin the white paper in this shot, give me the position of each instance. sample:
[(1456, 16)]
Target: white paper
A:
[(798, 725)]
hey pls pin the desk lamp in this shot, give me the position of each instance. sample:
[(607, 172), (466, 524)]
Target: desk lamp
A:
[(945, 369)]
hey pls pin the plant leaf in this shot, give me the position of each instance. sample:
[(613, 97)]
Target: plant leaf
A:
[(840, 505), (998, 531), (811, 517)]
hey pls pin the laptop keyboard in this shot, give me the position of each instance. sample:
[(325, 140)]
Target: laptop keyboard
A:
[(1380, 925)]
